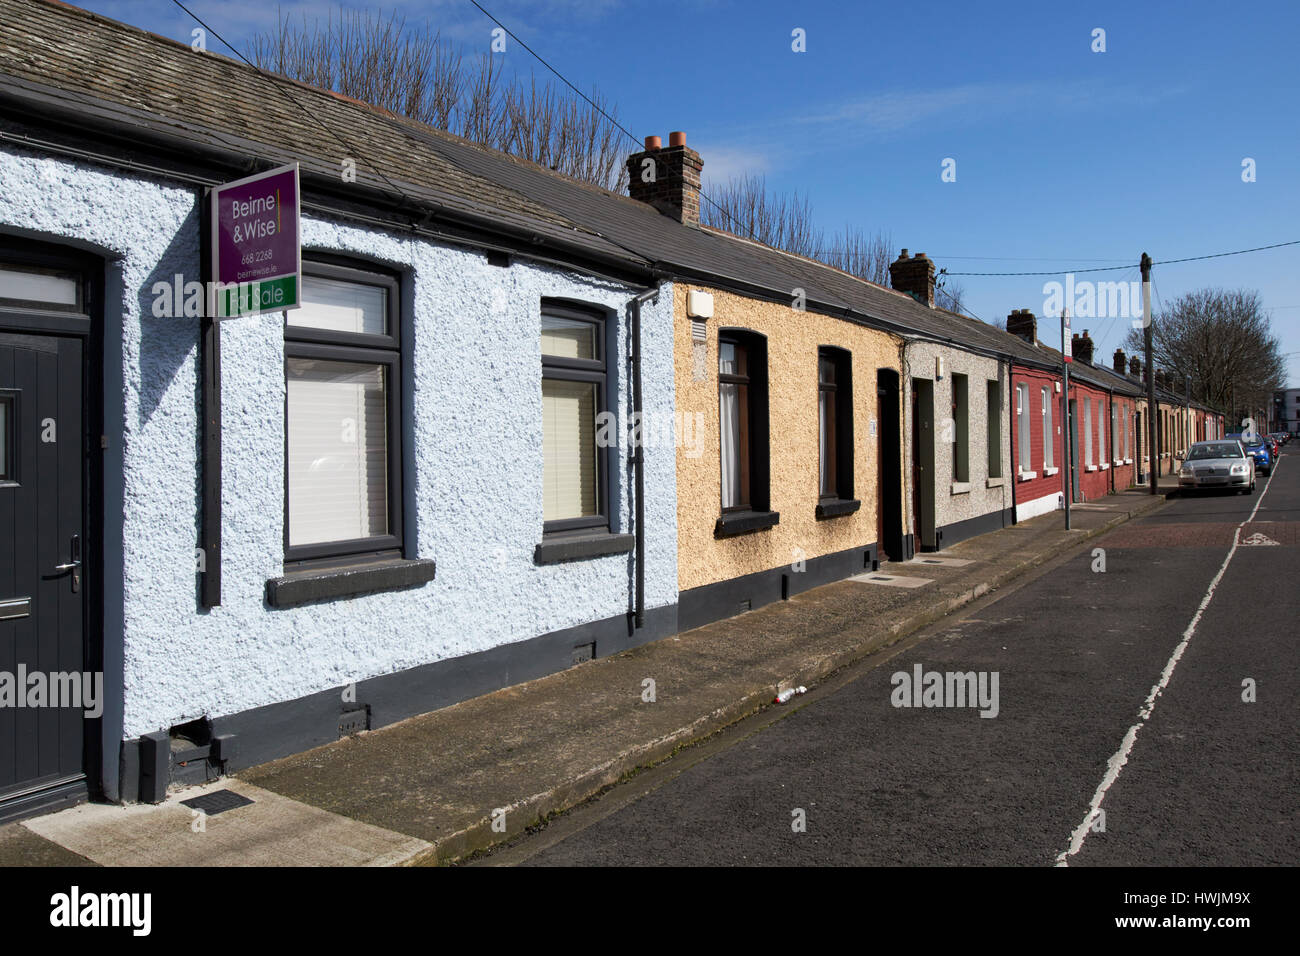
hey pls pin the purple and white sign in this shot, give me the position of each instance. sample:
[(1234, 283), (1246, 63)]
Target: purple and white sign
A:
[(256, 248)]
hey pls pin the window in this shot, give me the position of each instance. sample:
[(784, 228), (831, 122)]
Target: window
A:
[(42, 288), (1101, 434), (835, 424), (994, 419), (1087, 432), (1049, 434), (574, 376), (961, 429), (742, 410), (343, 416), (1114, 441), (1022, 419)]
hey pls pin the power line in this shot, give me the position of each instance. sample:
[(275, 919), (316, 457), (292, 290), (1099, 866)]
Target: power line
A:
[(1162, 262), (541, 59), (352, 150)]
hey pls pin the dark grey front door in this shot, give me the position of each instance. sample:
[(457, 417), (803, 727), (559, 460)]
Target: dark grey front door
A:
[(42, 586)]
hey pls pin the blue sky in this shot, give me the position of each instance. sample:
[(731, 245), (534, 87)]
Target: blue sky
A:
[(1065, 158)]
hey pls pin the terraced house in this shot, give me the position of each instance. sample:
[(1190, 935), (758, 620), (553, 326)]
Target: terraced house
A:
[(512, 422), (247, 548)]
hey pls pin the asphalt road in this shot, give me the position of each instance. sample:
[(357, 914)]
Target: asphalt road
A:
[(1206, 777)]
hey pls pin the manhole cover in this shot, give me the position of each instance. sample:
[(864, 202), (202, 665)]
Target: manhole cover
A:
[(218, 801)]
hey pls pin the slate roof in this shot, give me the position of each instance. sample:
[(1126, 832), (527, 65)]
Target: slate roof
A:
[(65, 58), (119, 73)]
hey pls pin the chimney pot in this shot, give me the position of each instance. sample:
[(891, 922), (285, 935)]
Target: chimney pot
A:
[(667, 179)]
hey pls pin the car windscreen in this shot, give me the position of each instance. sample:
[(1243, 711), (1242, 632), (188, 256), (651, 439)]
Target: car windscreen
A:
[(1224, 449)]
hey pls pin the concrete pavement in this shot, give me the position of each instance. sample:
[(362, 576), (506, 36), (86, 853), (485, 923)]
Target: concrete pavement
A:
[(443, 785)]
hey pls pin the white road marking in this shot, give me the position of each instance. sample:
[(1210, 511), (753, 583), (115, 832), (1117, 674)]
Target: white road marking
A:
[(1116, 763)]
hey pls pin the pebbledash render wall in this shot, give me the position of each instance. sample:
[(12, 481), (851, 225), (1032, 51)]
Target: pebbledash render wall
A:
[(472, 444), (793, 338), (984, 502)]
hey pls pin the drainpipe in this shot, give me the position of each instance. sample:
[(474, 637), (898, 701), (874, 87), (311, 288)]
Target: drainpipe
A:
[(638, 454), (1011, 384)]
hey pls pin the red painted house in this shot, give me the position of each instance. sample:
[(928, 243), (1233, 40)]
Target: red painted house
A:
[(1037, 423)]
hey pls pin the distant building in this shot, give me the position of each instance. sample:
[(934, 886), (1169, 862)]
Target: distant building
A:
[(1285, 416)]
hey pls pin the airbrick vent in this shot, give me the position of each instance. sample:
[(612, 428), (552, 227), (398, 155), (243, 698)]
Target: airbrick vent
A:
[(354, 721)]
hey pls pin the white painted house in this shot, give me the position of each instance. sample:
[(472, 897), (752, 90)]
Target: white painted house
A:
[(401, 502)]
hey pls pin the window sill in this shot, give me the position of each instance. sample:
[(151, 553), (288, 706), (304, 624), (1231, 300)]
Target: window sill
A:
[(1118, 462), (1049, 472), (837, 507), (961, 487), (1026, 475), (1105, 466), (1128, 461), (303, 587), (580, 545), (743, 522), (1089, 467), (997, 482)]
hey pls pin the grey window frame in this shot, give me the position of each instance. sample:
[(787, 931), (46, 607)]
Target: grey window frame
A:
[(583, 370), (367, 348)]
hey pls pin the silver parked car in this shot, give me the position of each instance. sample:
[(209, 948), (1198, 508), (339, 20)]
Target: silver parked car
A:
[(1218, 464)]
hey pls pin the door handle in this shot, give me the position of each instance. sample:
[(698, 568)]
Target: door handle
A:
[(74, 564)]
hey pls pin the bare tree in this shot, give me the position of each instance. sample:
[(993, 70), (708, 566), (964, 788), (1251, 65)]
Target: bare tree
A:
[(1222, 339), (411, 71), (949, 294), (865, 256), (744, 207)]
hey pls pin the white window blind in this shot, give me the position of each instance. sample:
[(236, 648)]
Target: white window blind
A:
[(568, 338), (729, 398), (1022, 416), (1049, 433), (1087, 432), (568, 449), (1101, 432), (341, 306), (338, 450)]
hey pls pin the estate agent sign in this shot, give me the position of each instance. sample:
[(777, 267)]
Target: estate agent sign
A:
[(256, 248)]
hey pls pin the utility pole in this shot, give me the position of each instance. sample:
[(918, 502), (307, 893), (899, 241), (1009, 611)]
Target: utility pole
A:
[(1152, 410), (1068, 470)]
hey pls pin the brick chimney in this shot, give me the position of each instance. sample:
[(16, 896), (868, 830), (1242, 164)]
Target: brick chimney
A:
[(1022, 323), (668, 179), (1081, 347), (915, 276), (1135, 367), (1120, 363)]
